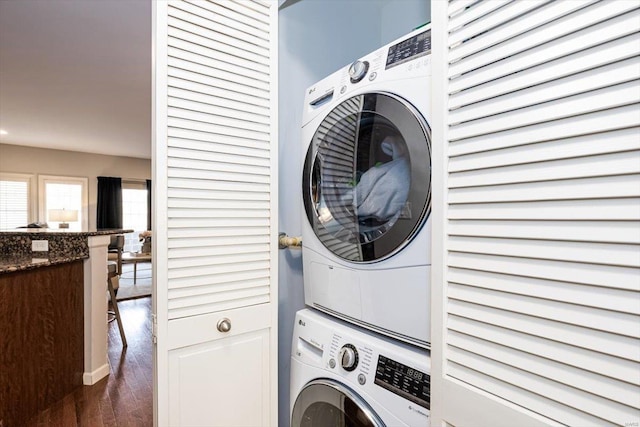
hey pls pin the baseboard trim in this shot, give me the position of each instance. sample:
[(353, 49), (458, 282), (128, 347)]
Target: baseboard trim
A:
[(90, 378)]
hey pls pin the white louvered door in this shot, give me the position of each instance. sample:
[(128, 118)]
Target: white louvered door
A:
[(536, 162), (215, 216)]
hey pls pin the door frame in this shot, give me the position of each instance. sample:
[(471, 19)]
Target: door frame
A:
[(159, 38)]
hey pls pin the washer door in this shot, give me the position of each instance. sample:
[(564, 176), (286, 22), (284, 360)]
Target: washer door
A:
[(324, 402), (367, 177)]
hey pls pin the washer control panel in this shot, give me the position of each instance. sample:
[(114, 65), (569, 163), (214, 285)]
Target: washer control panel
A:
[(410, 383), (377, 368)]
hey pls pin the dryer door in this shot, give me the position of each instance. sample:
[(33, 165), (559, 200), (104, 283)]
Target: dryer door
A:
[(323, 403), (367, 177)]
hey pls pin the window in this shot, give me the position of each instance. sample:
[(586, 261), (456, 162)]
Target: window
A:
[(68, 193), (134, 212), (16, 206)]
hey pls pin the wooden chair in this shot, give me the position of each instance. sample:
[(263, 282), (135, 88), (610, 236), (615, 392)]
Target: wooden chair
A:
[(116, 249), (114, 270)]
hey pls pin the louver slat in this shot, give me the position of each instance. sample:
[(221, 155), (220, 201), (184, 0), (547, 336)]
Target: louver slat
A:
[(459, 6), (583, 29), (542, 185), (601, 77), (584, 231), (224, 25), (605, 98), (218, 157), (492, 30), (480, 88), (475, 13)]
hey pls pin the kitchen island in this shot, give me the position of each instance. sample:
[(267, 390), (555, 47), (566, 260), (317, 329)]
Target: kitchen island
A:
[(53, 317)]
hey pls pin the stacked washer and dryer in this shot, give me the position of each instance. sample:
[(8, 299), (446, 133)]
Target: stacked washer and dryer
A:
[(360, 352)]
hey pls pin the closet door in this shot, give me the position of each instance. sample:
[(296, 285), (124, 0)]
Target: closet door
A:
[(215, 217), (536, 189)]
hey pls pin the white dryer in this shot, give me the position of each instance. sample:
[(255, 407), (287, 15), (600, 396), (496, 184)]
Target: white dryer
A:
[(342, 375), (366, 188)]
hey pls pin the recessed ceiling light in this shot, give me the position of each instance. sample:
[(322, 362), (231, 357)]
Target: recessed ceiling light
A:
[(3, 132)]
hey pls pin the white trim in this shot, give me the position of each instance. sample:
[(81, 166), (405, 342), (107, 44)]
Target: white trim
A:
[(159, 211), (90, 378), (439, 155), (95, 310), (273, 262), (134, 184), (42, 205)]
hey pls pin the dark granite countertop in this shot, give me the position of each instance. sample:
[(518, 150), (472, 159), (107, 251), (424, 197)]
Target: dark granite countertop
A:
[(62, 232), (9, 264), (16, 252)]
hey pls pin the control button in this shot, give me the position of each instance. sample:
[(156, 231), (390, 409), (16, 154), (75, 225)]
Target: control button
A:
[(343, 89), (362, 379), (358, 70), (332, 363), (373, 76), (348, 357)]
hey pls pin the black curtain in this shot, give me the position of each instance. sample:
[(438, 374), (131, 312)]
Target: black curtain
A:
[(148, 204), (109, 207)]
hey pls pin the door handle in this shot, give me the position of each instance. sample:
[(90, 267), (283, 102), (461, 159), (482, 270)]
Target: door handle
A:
[(224, 325)]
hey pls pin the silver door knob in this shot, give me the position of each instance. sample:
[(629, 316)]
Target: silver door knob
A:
[(224, 325)]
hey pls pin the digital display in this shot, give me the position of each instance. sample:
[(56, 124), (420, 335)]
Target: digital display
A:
[(409, 383), (414, 47)]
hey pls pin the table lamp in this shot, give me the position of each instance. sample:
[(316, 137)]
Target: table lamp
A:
[(63, 216)]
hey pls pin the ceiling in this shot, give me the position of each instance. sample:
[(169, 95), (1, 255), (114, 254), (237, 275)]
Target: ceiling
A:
[(76, 75)]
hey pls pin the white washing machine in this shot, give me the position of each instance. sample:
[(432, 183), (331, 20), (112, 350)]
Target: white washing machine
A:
[(366, 188), (342, 375)]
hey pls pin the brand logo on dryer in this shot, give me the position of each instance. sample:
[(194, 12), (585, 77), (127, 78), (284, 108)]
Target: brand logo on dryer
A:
[(418, 411), (311, 90)]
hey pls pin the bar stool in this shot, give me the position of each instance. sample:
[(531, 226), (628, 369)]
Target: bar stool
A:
[(112, 273)]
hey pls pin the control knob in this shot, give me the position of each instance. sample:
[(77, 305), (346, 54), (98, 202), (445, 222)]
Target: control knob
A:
[(358, 70), (348, 357)]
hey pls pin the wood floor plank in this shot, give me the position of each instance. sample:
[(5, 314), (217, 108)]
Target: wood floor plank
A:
[(68, 410)]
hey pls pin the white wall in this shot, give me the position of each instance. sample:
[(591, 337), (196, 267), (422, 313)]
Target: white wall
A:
[(317, 37), (31, 160), (398, 17)]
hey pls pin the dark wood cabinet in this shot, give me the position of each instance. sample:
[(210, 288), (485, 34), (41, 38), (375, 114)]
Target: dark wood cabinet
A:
[(41, 339)]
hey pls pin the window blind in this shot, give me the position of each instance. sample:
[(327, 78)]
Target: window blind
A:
[(14, 203)]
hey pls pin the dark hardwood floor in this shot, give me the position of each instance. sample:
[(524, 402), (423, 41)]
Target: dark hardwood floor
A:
[(125, 397)]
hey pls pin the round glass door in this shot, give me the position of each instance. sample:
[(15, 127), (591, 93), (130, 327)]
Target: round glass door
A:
[(325, 403), (367, 177)]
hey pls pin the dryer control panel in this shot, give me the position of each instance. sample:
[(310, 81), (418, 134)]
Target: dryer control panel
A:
[(405, 59), (411, 48)]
